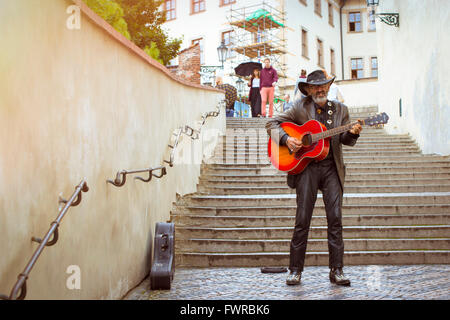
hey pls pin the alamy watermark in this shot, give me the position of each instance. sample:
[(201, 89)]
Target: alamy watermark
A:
[(73, 22), (73, 282)]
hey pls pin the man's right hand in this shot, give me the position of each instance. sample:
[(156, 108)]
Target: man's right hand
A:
[(294, 144)]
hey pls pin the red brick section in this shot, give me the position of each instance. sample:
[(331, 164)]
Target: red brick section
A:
[(131, 46), (188, 65)]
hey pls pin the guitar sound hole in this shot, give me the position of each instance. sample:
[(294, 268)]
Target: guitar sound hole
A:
[(307, 140)]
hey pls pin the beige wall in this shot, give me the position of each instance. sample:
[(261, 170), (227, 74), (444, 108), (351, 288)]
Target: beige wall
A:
[(360, 93), (75, 104), (414, 64)]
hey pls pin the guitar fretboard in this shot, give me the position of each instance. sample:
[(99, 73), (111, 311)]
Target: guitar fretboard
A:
[(332, 132)]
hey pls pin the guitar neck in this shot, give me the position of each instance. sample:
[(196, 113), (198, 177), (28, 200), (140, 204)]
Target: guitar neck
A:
[(332, 132)]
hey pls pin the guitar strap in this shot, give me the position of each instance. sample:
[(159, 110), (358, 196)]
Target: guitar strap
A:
[(330, 110)]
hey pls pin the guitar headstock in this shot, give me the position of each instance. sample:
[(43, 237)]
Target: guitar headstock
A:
[(381, 118)]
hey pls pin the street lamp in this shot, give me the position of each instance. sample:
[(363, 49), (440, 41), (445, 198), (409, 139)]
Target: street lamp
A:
[(222, 51), (392, 19), (240, 86)]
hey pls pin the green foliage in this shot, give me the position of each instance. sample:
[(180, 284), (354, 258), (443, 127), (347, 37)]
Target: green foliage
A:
[(140, 21), (153, 52), (144, 21), (112, 13)]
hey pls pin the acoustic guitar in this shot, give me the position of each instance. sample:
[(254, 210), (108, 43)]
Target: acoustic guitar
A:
[(316, 143)]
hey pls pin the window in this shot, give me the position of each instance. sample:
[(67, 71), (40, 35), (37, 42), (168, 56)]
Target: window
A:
[(330, 14), (169, 7), (318, 7), (372, 25), (197, 6), (354, 22), (303, 2), (304, 43), (333, 62), (226, 2), (200, 42), (374, 66), (357, 68), (227, 38), (320, 53)]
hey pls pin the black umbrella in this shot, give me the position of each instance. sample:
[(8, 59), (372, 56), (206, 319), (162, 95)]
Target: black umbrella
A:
[(246, 69)]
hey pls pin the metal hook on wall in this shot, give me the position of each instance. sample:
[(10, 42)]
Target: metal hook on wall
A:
[(192, 133), (151, 174), (55, 236), (173, 147), (117, 181)]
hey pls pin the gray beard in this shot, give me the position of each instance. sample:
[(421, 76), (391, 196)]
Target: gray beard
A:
[(319, 101)]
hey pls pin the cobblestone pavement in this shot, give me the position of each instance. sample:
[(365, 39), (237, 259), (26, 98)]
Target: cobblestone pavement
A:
[(368, 283)]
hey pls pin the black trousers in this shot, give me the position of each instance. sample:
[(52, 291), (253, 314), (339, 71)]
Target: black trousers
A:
[(318, 175), (255, 102)]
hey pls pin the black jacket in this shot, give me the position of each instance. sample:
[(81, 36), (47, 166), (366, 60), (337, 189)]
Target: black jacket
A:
[(303, 111)]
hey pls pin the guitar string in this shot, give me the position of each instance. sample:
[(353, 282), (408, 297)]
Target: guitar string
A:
[(319, 136)]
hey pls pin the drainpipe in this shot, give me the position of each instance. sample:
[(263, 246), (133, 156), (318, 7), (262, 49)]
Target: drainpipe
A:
[(342, 41)]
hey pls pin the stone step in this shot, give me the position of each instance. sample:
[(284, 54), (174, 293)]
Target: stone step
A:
[(266, 259), (349, 157), (366, 147), (314, 245), (349, 198), (421, 177), (350, 162), (364, 137), (253, 149), (355, 157), (253, 132), (187, 220), (280, 181), (284, 189), (319, 209), (315, 232), (351, 168)]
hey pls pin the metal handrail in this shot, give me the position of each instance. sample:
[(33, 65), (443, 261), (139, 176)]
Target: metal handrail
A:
[(172, 153), (120, 182), (121, 176), (190, 131), (21, 283)]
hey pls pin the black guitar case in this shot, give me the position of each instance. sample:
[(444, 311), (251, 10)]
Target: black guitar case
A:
[(163, 268)]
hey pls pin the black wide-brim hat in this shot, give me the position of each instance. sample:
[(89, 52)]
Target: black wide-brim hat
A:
[(315, 78)]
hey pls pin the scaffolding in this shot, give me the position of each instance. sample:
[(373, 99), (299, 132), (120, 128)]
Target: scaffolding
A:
[(259, 33)]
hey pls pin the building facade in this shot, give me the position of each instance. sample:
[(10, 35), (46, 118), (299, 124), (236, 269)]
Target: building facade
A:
[(335, 35)]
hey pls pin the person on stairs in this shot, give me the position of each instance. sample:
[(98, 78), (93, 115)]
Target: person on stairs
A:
[(254, 95), (327, 175), (269, 79)]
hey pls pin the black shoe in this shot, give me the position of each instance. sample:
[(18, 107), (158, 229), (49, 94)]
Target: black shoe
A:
[(337, 276), (294, 278)]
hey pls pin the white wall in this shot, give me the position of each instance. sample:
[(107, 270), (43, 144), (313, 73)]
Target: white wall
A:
[(300, 16), (358, 44), (414, 65), (360, 93)]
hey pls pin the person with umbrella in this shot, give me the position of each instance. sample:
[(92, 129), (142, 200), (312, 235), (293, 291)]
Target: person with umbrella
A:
[(252, 69), (254, 95)]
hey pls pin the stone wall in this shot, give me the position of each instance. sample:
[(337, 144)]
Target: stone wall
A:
[(189, 64)]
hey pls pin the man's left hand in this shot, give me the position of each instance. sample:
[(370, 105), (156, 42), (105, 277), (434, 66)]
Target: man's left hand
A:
[(356, 129)]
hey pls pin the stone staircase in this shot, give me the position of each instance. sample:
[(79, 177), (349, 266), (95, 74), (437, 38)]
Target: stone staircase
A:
[(396, 207)]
